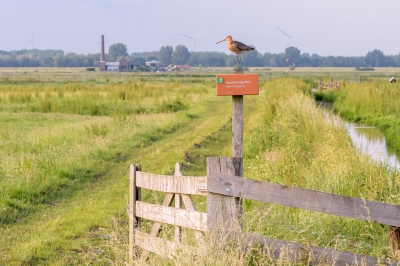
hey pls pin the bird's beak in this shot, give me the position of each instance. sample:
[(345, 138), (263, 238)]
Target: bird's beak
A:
[(221, 41)]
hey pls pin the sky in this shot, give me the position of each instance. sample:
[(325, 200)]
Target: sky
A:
[(323, 27)]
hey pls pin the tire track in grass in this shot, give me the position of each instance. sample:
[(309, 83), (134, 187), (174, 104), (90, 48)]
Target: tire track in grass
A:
[(58, 234)]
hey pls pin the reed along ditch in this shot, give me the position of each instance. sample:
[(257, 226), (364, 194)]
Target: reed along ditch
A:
[(367, 139)]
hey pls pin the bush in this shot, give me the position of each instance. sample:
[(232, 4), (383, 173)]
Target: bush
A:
[(241, 68), (365, 69), (142, 69)]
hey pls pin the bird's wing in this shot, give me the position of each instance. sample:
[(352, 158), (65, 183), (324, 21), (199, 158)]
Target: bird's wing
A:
[(243, 46)]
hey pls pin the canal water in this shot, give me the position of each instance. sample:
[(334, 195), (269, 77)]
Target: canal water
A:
[(368, 140)]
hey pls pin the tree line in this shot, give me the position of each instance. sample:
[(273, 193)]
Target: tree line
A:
[(180, 55)]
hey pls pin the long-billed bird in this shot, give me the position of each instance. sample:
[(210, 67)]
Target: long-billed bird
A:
[(237, 48)]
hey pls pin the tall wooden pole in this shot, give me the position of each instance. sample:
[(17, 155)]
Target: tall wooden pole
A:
[(237, 126)]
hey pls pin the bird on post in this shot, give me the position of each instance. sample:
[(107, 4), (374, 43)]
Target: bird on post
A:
[(237, 48)]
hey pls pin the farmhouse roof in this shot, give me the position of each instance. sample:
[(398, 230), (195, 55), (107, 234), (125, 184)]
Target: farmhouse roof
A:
[(112, 63), (153, 62), (182, 66)]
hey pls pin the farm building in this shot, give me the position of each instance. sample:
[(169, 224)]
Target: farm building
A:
[(154, 63), (112, 66), (122, 66), (182, 67)]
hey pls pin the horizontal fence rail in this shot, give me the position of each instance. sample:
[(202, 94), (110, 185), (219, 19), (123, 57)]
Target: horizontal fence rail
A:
[(171, 215), (159, 246), (306, 199), (316, 255), (189, 185)]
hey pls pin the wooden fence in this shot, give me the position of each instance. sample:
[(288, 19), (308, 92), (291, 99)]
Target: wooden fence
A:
[(328, 85), (225, 191)]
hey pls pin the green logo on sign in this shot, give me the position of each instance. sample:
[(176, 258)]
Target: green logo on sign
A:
[(220, 80)]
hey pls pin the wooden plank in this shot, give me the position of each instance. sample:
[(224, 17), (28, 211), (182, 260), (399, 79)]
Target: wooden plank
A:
[(178, 202), (305, 199), (170, 184), (134, 195), (189, 204), (131, 211), (237, 126), (170, 215), (223, 212), (138, 190), (157, 225), (315, 255), (160, 246)]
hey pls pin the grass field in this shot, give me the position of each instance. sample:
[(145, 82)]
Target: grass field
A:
[(67, 138)]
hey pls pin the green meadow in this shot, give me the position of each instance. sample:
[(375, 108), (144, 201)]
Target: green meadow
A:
[(67, 138)]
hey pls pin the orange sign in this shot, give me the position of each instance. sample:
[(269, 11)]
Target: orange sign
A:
[(237, 84)]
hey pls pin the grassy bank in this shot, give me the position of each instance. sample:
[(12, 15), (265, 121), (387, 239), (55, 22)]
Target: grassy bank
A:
[(299, 146), (374, 103)]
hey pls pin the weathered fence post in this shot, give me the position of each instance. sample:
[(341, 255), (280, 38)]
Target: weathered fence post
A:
[(134, 195), (237, 126), (178, 202), (394, 239), (224, 212)]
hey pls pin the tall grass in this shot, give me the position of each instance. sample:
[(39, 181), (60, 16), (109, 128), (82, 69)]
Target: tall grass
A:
[(63, 168), (121, 98), (63, 176), (50, 133), (298, 145), (374, 103)]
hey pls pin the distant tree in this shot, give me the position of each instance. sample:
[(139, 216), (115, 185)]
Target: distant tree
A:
[(272, 62), (48, 61), (216, 61), (165, 55), (376, 58), (117, 50), (151, 57), (142, 69), (292, 55), (231, 61), (181, 55), (59, 60), (252, 58), (139, 61)]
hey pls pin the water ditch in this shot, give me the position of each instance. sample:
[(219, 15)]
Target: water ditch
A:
[(368, 140)]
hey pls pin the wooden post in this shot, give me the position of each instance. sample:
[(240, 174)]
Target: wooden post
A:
[(223, 212), (178, 202), (237, 126), (134, 195)]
